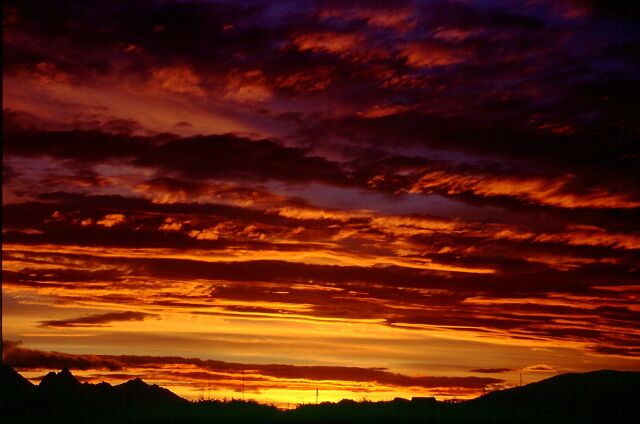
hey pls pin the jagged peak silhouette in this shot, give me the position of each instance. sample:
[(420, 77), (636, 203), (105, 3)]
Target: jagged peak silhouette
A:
[(64, 378)]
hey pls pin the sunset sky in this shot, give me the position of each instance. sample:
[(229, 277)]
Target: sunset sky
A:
[(375, 199)]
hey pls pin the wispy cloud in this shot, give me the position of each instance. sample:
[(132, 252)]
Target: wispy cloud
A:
[(97, 320)]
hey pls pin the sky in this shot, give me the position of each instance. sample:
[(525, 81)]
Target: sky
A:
[(373, 199)]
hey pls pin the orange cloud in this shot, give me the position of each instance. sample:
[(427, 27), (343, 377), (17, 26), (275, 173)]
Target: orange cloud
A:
[(111, 219), (170, 190), (310, 213), (170, 224), (303, 82), (330, 42), (545, 191), (378, 111), (352, 46), (247, 87), (178, 79), (430, 55), (592, 236)]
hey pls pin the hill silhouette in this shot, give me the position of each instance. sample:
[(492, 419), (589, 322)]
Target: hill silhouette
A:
[(599, 396), (594, 397), (15, 391)]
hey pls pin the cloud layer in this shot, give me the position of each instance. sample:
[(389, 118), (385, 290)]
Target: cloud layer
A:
[(459, 176)]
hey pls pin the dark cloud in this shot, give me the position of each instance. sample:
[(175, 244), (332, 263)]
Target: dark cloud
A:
[(181, 163), (549, 151), (168, 30), (215, 156), (15, 355), (23, 358), (97, 320)]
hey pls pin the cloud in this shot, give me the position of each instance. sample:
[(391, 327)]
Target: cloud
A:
[(97, 320), (446, 168), (216, 156), (389, 295), (399, 18), (329, 42), (178, 79), (491, 370), (112, 219), (429, 55), (540, 368), (248, 87), (24, 359), (172, 190), (529, 190), (585, 183)]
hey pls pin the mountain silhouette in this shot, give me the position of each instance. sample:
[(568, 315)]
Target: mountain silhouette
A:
[(61, 397), (593, 397), (62, 384), (62, 379), (15, 389), (598, 396), (138, 392)]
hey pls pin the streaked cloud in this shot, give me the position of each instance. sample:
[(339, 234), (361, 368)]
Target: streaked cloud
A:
[(96, 320)]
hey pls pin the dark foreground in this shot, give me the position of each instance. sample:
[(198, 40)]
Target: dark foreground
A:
[(595, 397)]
